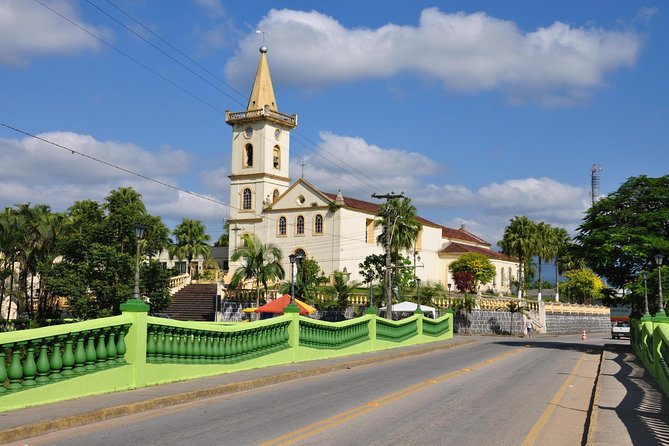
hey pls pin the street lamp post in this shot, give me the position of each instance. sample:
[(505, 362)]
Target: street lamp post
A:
[(292, 278), (417, 293), (646, 311), (658, 260), (449, 291), (139, 235)]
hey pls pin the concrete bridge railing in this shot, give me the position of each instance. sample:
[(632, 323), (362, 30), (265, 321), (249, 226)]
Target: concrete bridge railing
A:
[(134, 350), (650, 338)]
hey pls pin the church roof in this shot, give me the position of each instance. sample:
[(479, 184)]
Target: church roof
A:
[(461, 248), (461, 234), (373, 208), (262, 92)]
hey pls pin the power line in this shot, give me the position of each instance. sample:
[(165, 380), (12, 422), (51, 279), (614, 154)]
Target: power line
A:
[(74, 151), (332, 159)]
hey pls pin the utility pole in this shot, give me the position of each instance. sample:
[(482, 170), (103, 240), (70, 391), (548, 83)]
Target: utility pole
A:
[(389, 299)]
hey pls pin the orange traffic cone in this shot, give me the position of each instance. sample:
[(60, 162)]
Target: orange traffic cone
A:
[(583, 336)]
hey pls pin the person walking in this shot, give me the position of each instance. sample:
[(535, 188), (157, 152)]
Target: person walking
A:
[(529, 326)]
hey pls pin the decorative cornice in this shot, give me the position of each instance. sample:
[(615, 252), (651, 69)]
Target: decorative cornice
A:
[(257, 176)]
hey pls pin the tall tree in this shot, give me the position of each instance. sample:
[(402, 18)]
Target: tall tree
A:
[(224, 239), (545, 247), (191, 241), (262, 263), (518, 240), (621, 233), (478, 265), (562, 243), (399, 218)]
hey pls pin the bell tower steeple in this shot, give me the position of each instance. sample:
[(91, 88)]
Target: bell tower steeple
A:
[(260, 150)]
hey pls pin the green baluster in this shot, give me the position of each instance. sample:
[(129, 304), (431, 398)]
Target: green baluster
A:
[(227, 347), (80, 355), (120, 344), (111, 348), (29, 366), (167, 354), (3, 370), (68, 358), (151, 344), (43, 367), (101, 351), (190, 347), (56, 363), (183, 338), (196, 347), (234, 345), (209, 350), (91, 354), (15, 372), (176, 337), (216, 347), (160, 345)]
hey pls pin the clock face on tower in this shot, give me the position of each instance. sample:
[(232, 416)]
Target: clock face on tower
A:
[(277, 134), (248, 132)]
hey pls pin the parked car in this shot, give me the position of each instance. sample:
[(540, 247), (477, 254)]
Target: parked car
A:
[(620, 329)]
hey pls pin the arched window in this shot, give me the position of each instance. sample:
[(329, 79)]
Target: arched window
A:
[(300, 253), (248, 155), (502, 277), (510, 276), (282, 225), (318, 224), (275, 195), (300, 225), (246, 199), (276, 157)]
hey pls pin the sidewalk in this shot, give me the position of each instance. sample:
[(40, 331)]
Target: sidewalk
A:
[(33, 421), (629, 408)]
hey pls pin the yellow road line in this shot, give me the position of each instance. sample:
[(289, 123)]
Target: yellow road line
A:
[(342, 417), (543, 419)]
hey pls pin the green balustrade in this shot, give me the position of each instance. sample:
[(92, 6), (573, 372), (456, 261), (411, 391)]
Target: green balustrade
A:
[(52, 358), (332, 337)]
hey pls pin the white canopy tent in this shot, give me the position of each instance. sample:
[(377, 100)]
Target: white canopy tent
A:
[(410, 307)]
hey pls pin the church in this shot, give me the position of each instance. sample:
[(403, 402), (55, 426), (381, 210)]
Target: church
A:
[(334, 230)]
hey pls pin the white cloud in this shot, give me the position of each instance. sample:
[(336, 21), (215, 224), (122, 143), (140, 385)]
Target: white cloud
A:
[(484, 212), (350, 163), (28, 29), (557, 64), (36, 172)]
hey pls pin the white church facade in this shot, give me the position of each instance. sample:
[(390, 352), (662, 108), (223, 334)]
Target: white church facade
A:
[(336, 231)]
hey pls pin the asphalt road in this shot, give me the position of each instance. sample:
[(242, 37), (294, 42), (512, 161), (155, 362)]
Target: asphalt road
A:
[(495, 391)]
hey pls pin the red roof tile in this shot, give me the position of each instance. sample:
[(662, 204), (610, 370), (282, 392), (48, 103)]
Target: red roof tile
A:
[(461, 234)]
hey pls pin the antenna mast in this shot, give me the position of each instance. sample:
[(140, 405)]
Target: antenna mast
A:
[(594, 182)]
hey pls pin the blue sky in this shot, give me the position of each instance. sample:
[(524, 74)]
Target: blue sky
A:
[(478, 111)]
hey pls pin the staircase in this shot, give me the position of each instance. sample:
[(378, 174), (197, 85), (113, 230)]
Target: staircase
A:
[(194, 302)]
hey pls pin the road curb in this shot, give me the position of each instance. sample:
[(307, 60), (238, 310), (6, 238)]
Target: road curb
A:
[(593, 410), (44, 427)]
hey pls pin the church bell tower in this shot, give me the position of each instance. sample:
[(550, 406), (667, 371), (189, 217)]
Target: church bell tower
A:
[(260, 152)]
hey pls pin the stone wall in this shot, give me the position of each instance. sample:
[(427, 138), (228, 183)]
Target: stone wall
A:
[(569, 324), (487, 322)]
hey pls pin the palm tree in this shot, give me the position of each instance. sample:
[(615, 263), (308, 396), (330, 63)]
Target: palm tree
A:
[(562, 242), (399, 217), (262, 263), (342, 288), (519, 240), (191, 241), (545, 247)]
